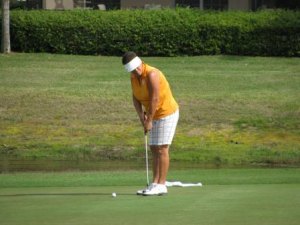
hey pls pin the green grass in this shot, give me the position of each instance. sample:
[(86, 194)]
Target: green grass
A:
[(234, 110), (228, 196), (136, 178)]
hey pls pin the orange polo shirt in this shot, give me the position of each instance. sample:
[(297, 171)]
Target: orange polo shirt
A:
[(166, 103)]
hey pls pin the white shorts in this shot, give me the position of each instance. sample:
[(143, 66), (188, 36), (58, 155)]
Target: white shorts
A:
[(163, 130)]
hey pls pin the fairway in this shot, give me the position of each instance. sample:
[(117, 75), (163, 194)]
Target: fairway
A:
[(248, 196), (212, 204), (86, 130), (233, 110)]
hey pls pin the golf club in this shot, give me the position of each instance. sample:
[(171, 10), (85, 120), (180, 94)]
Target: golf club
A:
[(147, 167), (146, 148)]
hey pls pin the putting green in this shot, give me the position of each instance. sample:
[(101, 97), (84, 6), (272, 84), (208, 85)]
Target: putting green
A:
[(210, 204)]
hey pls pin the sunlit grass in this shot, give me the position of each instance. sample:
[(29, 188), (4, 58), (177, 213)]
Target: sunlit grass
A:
[(269, 196), (233, 110)]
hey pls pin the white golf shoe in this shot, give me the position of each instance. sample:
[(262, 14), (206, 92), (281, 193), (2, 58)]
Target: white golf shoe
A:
[(159, 189), (141, 192)]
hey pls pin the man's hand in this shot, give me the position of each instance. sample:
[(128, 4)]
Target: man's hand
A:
[(147, 126), (142, 119)]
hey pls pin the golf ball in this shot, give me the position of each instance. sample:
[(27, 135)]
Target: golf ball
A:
[(114, 195)]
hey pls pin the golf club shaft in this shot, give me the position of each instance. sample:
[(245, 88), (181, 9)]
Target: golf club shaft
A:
[(147, 166)]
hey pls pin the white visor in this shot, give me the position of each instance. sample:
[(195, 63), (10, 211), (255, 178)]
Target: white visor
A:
[(133, 64)]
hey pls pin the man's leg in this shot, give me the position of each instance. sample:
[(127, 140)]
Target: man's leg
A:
[(160, 163), (160, 170), (164, 161), (155, 163)]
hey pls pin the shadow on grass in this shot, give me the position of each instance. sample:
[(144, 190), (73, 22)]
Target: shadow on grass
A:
[(65, 194)]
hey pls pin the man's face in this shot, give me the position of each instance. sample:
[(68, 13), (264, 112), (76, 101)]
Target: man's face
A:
[(138, 71)]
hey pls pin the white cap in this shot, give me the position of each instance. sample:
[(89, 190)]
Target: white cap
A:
[(133, 64)]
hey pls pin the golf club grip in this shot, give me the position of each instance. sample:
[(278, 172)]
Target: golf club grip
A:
[(145, 132)]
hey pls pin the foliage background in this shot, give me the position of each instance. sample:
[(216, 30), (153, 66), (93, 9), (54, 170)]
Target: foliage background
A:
[(157, 33)]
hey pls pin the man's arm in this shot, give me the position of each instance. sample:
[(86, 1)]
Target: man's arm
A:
[(153, 87), (138, 108)]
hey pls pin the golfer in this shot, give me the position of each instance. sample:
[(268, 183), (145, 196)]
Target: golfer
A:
[(152, 92)]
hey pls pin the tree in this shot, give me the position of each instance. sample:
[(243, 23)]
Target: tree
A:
[(5, 43)]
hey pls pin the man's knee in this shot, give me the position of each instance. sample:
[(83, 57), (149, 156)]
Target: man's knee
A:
[(163, 149)]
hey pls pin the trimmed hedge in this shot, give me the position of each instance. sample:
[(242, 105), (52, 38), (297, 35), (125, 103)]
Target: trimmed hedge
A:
[(157, 33)]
